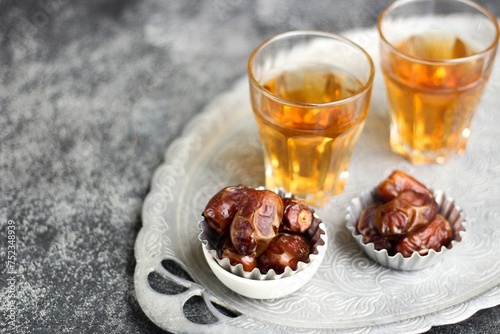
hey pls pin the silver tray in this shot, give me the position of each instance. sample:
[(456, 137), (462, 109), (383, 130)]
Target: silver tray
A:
[(350, 293)]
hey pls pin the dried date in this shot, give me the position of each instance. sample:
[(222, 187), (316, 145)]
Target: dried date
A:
[(437, 234), (297, 216), (406, 213), (256, 222), (397, 182), (222, 207), (369, 232), (286, 250), (228, 251)]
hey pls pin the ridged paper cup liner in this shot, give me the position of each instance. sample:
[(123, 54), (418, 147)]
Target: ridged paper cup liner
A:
[(446, 207)]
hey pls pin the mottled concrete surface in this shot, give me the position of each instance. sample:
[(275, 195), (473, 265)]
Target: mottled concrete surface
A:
[(91, 95)]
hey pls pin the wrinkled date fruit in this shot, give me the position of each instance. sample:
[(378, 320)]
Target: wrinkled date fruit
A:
[(366, 228), (222, 207), (407, 213), (397, 182), (286, 250), (256, 222), (228, 251), (437, 234), (297, 217)]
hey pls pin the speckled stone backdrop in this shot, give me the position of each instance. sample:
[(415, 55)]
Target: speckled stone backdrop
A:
[(91, 95)]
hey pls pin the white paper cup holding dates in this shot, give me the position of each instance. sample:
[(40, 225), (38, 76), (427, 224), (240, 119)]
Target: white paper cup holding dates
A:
[(404, 225), (259, 243)]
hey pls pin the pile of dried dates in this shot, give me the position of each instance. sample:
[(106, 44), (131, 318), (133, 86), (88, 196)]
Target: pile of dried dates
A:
[(405, 219), (260, 229)]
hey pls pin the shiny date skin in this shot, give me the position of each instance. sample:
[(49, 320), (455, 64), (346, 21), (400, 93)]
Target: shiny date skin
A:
[(286, 250), (408, 212), (397, 182), (256, 222), (228, 251), (437, 234), (366, 228), (222, 207), (297, 216)]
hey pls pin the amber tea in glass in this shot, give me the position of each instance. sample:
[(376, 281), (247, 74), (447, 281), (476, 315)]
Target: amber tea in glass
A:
[(436, 56), (310, 100)]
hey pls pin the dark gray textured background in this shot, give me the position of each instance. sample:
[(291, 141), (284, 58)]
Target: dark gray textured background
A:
[(91, 95)]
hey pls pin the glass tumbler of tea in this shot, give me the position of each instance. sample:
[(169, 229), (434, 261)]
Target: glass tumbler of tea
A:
[(436, 58), (310, 94)]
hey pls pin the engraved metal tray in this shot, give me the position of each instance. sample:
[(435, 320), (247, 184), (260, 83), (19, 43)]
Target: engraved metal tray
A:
[(350, 293)]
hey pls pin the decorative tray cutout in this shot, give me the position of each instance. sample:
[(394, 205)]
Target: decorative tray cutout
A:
[(350, 292)]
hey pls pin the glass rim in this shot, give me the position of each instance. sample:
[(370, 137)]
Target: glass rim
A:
[(365, 86), (429, 61)]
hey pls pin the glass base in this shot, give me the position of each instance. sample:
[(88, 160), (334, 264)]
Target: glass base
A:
[(316, 199), (424, 157)]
